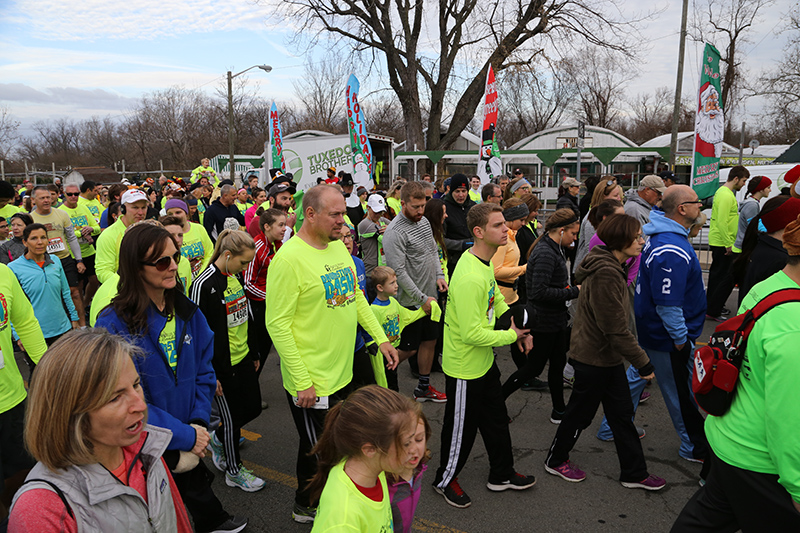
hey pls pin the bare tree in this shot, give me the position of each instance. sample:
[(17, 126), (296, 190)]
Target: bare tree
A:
[(102, 141), (468, 36), (598, 77), (321, 94), (782, 88), (535, 98), (8, 132), (727, 23)]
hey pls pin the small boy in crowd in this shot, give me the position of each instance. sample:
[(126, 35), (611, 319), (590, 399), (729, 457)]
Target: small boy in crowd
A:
[(393, 317)]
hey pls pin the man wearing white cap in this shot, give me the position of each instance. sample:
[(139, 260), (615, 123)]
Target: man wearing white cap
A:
[(134, 209), (370, 231)]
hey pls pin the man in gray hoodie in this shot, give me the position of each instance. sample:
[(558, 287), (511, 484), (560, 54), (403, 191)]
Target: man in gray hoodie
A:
[(646, 197)]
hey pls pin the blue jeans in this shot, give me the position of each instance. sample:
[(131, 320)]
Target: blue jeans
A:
[(680, 404)]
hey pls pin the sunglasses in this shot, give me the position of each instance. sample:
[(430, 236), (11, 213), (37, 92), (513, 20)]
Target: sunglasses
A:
[(72, 194), (163, 263)]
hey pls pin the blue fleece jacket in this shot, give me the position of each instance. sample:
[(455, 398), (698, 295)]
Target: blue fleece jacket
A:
[(47, 289), (174, 400), (670, 302)]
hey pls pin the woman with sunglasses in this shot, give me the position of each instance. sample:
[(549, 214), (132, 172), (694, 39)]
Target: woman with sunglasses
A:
[(151, 311), (45, 283), (220, 296)]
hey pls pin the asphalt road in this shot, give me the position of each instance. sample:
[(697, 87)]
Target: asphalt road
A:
[(599, 503)]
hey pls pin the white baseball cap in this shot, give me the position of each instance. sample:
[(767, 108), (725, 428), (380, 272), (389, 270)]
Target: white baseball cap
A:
[(132, 196), (376, 203)]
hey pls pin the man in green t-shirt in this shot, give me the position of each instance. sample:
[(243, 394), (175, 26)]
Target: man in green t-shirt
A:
[(472, 379), (721, 237), (314, 305)]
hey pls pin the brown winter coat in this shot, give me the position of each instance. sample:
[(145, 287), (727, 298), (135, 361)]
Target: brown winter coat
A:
[(600, 334)]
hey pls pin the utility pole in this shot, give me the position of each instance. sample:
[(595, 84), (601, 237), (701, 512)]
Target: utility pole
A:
[(741, 144), (676, 110), (230, 125)]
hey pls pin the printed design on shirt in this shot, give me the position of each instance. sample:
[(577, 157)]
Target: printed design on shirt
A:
[(391, 327), (166, 339), (235, 306), (339, 283), (192, 251), (3, 313), (93, 209), (490, 305), (78, 221)]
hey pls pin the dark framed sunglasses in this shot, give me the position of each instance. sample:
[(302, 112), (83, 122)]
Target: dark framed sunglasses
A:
[(72, 194), (162, 263)]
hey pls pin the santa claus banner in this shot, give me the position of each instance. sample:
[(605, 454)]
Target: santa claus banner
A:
[(361, 149), (275, 148), (490, 165), (709, 127)]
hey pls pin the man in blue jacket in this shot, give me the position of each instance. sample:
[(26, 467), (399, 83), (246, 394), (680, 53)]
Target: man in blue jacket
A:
[(670, 311)]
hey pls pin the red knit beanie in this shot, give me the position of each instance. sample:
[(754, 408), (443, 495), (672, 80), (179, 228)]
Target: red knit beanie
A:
[(778, 219)]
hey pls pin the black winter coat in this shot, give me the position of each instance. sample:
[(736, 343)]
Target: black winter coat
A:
[(547, 283)]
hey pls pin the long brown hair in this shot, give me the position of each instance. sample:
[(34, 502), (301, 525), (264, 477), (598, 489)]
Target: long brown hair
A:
[(434, 212), (141, 243), (558, 219), (371, 415)]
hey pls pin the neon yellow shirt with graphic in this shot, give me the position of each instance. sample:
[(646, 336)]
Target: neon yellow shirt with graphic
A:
[(473, 305), (236, 311), (14, 305), (95, 207), (197, 245), (313, 321), (81, 216), (108, 242), (9, 209), (166, 339), (342, 507)]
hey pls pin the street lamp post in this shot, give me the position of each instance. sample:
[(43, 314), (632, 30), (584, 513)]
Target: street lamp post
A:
[(232, 162)]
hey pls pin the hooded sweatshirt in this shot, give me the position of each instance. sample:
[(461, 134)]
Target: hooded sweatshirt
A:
[(456, 232), (670, 302), (600, 333)]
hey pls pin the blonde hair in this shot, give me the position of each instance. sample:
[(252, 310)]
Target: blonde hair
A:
[(382, 274), (77, 376), (234, 241), (600, 193)]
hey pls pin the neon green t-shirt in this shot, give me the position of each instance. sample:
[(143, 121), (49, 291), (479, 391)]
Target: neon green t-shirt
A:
[(166, 339), (95, 207), (197, 246), (724, 219), (9, 209), (313, 323), (393, 318), (761, 430), (81, 216), (342, 507), (473, 304), (394, 203), (108, 242), (14, 306), (236, 311)]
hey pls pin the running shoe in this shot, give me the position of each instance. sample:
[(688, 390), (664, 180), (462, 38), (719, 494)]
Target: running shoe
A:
[(537, 385), (429, 395), (716, 318), (555, 417), (569, 382), (517, 482), (303, 515), (644, 397), (725, 311), (217, 453), (567, 471), (651, 483), (692, 459), (454, 494), (245, 480), (233, 524)]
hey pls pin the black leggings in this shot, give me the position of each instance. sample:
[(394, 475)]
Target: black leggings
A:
[(547, 346)]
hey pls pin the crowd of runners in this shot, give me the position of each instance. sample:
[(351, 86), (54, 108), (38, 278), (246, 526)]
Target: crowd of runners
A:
[(146, 314)]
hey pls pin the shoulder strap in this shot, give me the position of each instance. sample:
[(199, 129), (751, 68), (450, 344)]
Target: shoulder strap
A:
[(775, 299), (57, 491)]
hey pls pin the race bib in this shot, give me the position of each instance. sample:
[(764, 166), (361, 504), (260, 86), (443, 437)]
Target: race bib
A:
[(56, 244), (237, 311)]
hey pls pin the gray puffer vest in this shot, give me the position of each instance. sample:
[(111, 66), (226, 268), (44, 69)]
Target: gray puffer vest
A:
[(101, 503)]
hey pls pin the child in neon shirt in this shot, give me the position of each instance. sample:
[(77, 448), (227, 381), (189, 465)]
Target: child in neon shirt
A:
[(393, 317), (365, 436)]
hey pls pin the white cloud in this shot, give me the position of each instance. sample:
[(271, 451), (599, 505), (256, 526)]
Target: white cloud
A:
[(65, 20)]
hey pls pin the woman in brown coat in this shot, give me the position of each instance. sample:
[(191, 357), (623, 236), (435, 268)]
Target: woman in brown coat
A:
[(601, 342)]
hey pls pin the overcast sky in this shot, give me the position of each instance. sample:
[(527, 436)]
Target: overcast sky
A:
[(68, 58)]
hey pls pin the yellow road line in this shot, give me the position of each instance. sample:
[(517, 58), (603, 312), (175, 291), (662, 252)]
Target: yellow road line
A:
[(420, 524)]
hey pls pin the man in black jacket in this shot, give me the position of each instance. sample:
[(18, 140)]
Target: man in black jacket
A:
[(456, 233), (222, 213)]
